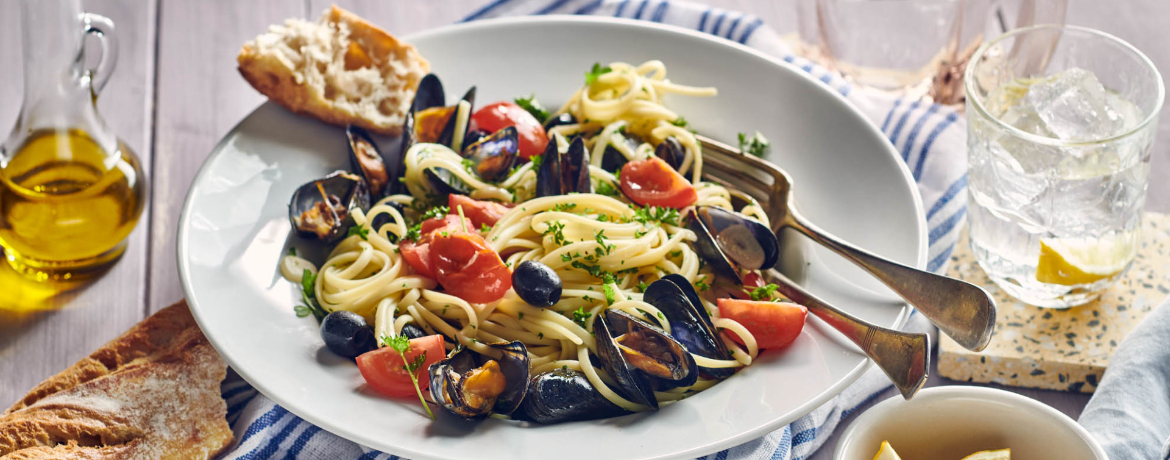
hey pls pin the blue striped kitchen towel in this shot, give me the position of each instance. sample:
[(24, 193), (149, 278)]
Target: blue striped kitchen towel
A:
[(931, 139)]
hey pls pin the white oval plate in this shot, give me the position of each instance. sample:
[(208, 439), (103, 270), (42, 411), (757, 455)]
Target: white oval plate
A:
[(849, 180)]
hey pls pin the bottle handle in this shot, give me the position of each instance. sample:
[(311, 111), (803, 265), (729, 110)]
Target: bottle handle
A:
[(103, 28)]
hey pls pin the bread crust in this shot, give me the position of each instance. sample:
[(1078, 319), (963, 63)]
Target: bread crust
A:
[(153, 393), (398, 61)]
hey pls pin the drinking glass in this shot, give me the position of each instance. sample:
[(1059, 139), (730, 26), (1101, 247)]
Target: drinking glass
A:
[(1061, 121)]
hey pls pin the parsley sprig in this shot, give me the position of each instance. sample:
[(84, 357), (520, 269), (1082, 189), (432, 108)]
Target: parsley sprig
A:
[(755, 144), (309, 297), (652, 214), (580, 316), (595, 72), (401, 344), (531, 105)]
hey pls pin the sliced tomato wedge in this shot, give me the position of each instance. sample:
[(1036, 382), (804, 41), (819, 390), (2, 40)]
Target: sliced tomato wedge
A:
[(500, 115), (774, 324), (468, 268), (480, 213), (418, 253), (652, 182), (386, 373)]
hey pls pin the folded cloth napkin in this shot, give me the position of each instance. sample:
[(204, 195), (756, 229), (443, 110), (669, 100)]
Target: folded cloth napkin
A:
[(1130, 411), (931, 139)]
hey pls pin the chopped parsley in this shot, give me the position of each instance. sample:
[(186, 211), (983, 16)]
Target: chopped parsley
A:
[(469, 165), (701, 284), (557, 230), (652, 214), (605, 248), (531, 105), (359, 231), (566, 257), (610, 293), (594, 270), (413, 233), (538, 159), (564, 207), (764, 292), (641, 287), (756, 144), (435, 212), (580, 316), (292, 250), (595, 72), (604, 187), (485, 228), (680, 122)]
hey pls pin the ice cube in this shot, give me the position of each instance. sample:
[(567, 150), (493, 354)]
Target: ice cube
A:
[(1074, 106)]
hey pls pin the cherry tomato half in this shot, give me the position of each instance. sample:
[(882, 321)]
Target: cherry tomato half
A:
[(480, 213), (495, 117), (418, 253), (774, 324), (385, 372), (652, 182), (468, 268)]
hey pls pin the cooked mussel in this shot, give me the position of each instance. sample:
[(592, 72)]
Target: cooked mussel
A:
[(640, 357), (435, 123), (367, 160), (731, 242), (560, 120), (473, 385), (690, 324), (563, 173), (564, 395), (494, 155), (444, 183), (321, 208)]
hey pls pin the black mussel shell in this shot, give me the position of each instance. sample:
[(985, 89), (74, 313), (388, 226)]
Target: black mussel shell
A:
[(396, 167), (495, 155), (429, 94), (444, 183), (564, 173), (612, 160), (641, 357), (730, 241), (560, 120), (312, 218), (383, 218), (453, 128), (449, 376), (367, 160), (672, 152), (564, 396), (575, 167), (690, 323), (473, 136)]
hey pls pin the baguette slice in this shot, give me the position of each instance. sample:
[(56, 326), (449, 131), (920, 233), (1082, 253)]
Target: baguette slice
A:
[(341, 70), (153, 393)]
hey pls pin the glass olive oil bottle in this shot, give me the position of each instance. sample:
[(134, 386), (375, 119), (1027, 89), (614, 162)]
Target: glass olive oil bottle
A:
[(70, 191)]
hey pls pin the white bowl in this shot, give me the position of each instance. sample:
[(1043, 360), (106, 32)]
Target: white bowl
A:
[(948, 423)]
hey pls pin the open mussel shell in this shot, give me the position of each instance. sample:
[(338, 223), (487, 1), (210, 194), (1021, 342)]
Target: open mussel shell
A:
[(690, 324), (495, 155), (429, 94), (461, 383), (367, 160), (560, 120), (641, 358), (321, 209), (731, 242), (564, 173), (564, 395), (444, 183)]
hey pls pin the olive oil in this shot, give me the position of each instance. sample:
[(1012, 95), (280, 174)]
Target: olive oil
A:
[(67, 205)]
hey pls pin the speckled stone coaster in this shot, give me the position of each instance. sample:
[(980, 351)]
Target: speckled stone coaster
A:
[(1060, 349)]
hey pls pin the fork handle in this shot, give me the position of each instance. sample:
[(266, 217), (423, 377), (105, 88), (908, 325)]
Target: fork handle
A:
[(962, 310), (903, 356)]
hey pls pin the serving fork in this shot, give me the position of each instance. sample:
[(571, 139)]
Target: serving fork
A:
[(961, 310)]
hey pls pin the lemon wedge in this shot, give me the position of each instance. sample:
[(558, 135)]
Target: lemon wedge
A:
[(886, 452), (1001, 454), (1072, 261)]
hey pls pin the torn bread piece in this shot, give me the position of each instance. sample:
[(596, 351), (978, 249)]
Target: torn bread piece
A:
[(341, 70), (153, 393)]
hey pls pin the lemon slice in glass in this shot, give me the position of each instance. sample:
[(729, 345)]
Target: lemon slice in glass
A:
[(1072, 261), (886, 452), (1001, 454)]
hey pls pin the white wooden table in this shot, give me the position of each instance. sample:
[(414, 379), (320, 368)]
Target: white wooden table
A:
[(176, 92)]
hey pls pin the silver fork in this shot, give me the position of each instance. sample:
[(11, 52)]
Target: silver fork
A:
[(961, 310)]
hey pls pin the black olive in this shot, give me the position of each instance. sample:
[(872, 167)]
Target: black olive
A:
[(347, 334), (536, 283), (413, 332)]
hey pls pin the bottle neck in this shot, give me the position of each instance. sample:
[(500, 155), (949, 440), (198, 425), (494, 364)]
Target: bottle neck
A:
[(58, 94)]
